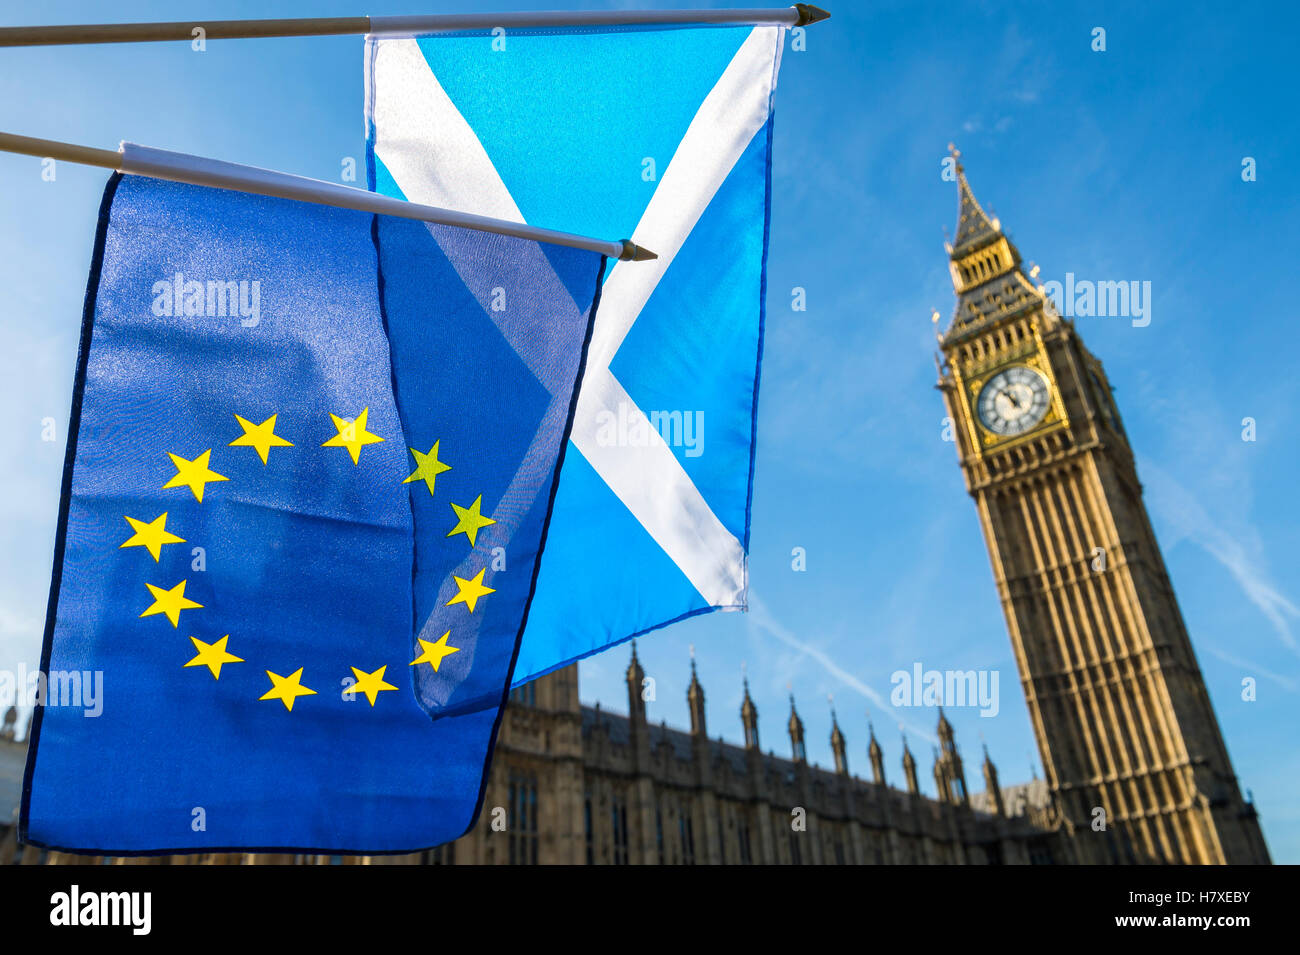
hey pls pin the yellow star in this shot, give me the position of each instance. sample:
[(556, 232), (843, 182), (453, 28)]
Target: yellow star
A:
[(469, 520), (212, 655), (434, 652), (352, 435), (470, 591), (427, 467), (171, 602), (286, 689), (194, 474), (260, 437), (371, 684), (152, 535)]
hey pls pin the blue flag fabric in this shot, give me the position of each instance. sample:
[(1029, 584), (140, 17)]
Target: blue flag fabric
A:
[(589, 130), (311, 462)]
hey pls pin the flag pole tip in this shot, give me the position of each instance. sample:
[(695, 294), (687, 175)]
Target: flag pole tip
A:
[(810, 14), (634, 253)]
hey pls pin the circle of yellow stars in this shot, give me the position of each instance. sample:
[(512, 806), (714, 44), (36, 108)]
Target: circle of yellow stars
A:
[(351, 435)]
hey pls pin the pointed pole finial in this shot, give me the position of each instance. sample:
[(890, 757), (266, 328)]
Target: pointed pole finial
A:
[(635, 253), (808, 14)]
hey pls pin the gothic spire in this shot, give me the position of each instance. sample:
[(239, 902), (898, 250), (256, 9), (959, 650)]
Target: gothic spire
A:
[(837, 745), (695, 700), (635, 682), (749, 718), (953, 773), (796, 733), (985, 266), (991, 783), (876, 756), (945, 728), (909, 769), (974, 227), (941, 778)]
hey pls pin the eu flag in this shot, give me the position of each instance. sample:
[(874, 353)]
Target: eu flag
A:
[(312, 458)]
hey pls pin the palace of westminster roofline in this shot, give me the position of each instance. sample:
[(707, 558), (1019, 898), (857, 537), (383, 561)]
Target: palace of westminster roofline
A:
[(600, 726)]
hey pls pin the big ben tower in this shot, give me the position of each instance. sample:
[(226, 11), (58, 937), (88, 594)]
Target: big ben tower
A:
[(1125, 728)]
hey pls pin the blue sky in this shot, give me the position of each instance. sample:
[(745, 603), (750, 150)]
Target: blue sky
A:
[(1123, 164)]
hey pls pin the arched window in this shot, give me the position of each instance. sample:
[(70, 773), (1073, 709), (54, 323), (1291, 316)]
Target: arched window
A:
[(687, 834), (618, 820)]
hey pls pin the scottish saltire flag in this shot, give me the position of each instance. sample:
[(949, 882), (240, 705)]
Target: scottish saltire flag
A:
[(311, 462), (589, 130)]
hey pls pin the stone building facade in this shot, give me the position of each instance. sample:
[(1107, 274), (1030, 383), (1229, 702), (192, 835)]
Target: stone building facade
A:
[(581, 785), (578, 785)]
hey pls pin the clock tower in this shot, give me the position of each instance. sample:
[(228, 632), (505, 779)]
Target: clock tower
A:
[(1125, 729)]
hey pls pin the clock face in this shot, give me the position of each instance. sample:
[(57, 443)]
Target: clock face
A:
[(1013, 401)]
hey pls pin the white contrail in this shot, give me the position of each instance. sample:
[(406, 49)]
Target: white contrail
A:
[(1179, 507), (762, 619), (1285, 682)]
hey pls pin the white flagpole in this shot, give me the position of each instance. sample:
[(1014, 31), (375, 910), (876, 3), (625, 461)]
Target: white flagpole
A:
[(138, 160), (801, 14)]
